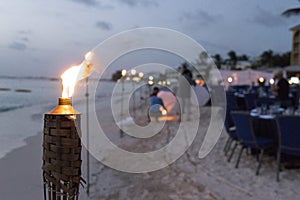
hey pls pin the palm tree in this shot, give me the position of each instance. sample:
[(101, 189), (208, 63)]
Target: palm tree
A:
[(232, 58), (266, 58), (218, 60), (291, 12)]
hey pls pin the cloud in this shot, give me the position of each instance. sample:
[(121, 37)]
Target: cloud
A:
[(21, 40), (24, 39), (106, 26), (87, 2), (23, 36), (199, 17), (135, 3), (20, 46), (24, 32), (93, 3), (268, 19)]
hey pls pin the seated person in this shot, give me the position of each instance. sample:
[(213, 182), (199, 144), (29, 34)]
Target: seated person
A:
[(156, 105), (281, 88)]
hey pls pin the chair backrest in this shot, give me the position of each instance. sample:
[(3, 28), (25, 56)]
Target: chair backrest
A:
[(243, 126), (255, 89), (240, 88), (231, 101), (295, 99), (289, 134), (250, 100), (228, 123), (266, 101)]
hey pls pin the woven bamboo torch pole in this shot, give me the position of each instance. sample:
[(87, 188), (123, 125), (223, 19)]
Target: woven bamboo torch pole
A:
[(62, 152)]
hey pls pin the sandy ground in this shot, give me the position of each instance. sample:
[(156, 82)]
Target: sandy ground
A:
[(193, 178), (188, 178)]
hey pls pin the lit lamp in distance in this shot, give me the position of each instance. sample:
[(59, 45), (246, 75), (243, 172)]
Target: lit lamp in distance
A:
[(271, 81), (133, 73), (150, 80), (141, 75), (229, 80), (140, 78), (150, 83), (261, 81), (123, 73)]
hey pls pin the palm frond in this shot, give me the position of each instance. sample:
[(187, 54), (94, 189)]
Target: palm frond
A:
[(291, 12)]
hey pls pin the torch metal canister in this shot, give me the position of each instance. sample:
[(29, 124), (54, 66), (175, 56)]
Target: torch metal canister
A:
[(62, 152)]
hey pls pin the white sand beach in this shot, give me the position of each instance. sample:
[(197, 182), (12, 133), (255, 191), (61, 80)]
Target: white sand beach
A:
[(188, 178)]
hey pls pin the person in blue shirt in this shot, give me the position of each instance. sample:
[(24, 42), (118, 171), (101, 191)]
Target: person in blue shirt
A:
[(156, 104)]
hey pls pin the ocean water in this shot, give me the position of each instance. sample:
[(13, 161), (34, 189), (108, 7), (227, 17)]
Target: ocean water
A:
[(38, 91), (18, 95), (26, 92)]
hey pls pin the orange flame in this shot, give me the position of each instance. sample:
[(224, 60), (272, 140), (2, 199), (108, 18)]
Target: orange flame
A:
[(69, 80), (74, 74)]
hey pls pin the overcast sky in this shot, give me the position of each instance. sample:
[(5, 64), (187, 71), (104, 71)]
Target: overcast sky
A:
[(43, 38)]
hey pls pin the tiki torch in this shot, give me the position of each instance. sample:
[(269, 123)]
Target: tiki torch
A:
[(61, 142), (62, 152)]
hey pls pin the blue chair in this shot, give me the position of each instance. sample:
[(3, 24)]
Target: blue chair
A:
[(231, 101), (229, 124), (230, 130), (250, 99), (247, 138), (288, 138)]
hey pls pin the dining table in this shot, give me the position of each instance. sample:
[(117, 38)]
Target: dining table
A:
[(264, 120)]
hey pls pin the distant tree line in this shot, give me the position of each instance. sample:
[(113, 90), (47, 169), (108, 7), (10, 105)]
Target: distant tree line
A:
[(270, 59), (266, 59), (117, 75)]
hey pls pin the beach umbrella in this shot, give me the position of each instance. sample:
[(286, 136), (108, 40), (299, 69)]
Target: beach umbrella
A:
[(168, 99), (200, 96)]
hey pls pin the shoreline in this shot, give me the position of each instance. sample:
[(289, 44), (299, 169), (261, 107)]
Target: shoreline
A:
[(20, 167), (20, 124)]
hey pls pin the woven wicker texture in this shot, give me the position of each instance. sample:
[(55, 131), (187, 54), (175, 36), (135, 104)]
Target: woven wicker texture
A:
[(61, 157)]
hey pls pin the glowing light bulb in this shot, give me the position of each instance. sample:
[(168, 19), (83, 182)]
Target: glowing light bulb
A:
[(141, 74), (124, 72), (229, 79), (261, 79), (133, 72)]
